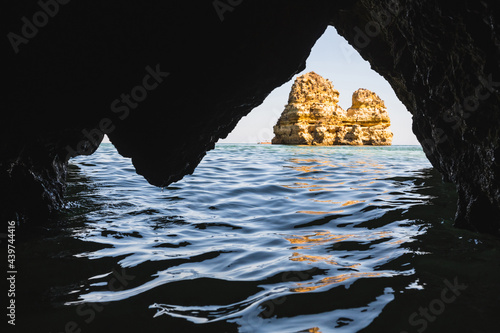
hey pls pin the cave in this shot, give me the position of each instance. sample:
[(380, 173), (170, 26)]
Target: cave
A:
[(182, 75)]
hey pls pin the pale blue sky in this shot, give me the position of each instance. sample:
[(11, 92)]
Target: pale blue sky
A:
[(333, 58)]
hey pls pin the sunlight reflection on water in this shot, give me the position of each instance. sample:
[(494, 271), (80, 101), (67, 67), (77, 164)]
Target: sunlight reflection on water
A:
[(260, 238)]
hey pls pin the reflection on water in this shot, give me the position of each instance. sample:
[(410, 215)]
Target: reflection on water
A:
[(328, 281), (261, 238), (310, 243), (302, 257), (319, 212), (319, 237)]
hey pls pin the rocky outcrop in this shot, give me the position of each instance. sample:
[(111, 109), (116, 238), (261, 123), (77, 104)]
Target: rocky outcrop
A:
[(313, 116), (64, 72), (369, 119)]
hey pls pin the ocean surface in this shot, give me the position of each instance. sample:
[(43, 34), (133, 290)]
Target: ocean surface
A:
[(261, 238)]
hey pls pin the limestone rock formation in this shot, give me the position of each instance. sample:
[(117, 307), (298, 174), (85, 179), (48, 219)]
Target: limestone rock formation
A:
[(369, 120), (311, 113), (313, 116)]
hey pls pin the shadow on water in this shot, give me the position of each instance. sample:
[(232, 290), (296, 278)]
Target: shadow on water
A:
[(185, 261), (454, 286)]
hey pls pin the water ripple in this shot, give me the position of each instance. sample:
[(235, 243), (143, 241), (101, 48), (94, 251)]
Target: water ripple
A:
[(312, 239)]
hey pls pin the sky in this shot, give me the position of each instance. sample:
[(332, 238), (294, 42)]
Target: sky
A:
[(334, 59)]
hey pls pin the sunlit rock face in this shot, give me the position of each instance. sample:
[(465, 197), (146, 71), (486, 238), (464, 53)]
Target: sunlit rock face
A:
[(367, 109), (369, 118), (63, 77), (313, 116)]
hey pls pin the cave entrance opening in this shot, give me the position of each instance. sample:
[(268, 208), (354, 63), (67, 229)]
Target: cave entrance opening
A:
[(334, 59)]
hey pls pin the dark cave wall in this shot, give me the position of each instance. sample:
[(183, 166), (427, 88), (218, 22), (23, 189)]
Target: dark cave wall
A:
[(216, 65), (443, 63), (214, 62)]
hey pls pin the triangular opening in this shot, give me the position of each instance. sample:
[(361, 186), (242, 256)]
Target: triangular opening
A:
[(334, 59)]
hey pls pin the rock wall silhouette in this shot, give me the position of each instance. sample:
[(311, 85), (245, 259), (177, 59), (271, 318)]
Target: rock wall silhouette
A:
[(77, 70)]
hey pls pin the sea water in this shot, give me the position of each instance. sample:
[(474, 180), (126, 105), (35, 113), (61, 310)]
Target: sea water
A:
[(260, 238)]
